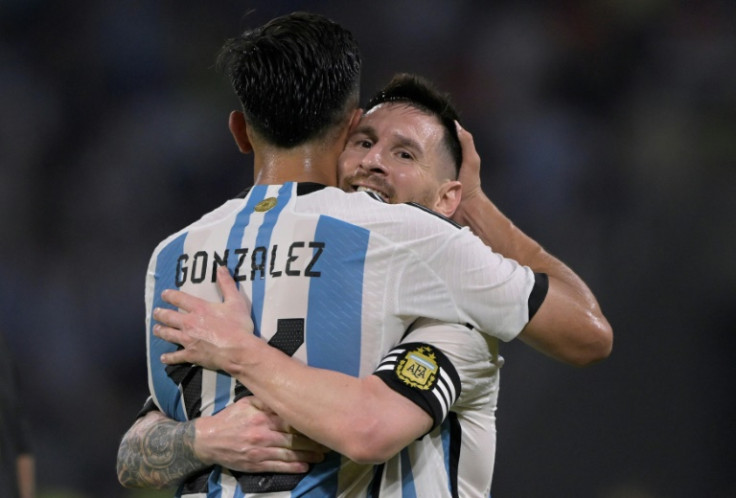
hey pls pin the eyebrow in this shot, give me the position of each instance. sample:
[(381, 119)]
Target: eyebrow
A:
[(409, 143), (402, 140), (365, 130)]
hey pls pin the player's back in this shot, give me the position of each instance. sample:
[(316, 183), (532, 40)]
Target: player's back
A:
[(304, 274), (335, 291)]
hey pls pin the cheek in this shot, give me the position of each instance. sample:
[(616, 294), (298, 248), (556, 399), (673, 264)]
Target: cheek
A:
[(405, 185), (344, 167), (414, 186), (407, 177)]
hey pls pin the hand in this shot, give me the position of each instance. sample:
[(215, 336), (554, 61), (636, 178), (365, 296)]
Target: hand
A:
[(469, 169), (247, 436), (212, 334)]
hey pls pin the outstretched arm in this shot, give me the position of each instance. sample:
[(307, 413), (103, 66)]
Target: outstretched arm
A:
[(569, 325), (158, 452), (361, 418)]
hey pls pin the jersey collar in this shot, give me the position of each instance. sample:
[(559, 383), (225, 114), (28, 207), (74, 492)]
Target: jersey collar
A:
[(301, 189)]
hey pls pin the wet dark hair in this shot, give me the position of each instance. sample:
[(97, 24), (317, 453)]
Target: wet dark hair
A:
[(296, 76), (419, 93)]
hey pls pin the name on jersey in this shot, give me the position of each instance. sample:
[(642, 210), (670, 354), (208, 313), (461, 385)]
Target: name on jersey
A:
[(296, 260)]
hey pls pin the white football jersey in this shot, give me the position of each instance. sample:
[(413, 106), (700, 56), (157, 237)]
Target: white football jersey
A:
[(335, 280)]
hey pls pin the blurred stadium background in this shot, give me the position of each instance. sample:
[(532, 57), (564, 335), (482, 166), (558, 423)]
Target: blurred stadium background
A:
[(607, 130)]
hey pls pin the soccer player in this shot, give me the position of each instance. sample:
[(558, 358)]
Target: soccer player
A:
[(458, 454), (17, 462), (303, 252)]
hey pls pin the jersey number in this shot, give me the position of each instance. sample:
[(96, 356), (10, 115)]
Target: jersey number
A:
[(288, 337)]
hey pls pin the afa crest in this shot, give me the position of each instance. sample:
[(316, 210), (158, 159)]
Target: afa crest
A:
[(418, 368), (265, 204)]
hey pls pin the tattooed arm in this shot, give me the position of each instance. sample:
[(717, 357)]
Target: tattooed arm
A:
[(158, 452)]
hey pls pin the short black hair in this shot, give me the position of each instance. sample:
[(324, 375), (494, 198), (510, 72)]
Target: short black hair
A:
[(296, 76), (420, 93)]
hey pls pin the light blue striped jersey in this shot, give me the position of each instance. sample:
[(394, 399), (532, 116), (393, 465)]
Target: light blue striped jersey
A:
[(335, 280)]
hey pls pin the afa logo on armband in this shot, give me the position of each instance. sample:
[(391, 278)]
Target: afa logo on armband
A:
[(418, 368)]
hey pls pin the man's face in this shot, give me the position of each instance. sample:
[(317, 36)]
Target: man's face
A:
[(397, 152)]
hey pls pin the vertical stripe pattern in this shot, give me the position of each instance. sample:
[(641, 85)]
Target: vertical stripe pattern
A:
[(335, 285), (164, 390)]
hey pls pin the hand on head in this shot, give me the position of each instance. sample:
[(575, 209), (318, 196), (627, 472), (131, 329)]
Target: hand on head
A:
[(470, 168)]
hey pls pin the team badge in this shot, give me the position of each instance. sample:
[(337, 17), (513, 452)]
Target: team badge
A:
[(265, 204), (418, 368)]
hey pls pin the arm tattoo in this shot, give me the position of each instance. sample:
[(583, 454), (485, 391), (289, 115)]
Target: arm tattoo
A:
[(157, 455)]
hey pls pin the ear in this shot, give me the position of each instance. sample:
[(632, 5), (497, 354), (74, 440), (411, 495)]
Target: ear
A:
[(448, 198), (354, 120), (352, 123), (239, 129)]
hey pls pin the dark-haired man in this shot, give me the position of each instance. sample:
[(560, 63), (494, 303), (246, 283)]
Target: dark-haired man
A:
[(342, 269)]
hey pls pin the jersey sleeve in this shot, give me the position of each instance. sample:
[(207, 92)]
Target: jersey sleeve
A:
[(459, 279)]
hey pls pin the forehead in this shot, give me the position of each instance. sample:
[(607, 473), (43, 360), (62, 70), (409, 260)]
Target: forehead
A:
[(399, 119)]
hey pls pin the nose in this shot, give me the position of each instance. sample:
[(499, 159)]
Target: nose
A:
[(372, 162)]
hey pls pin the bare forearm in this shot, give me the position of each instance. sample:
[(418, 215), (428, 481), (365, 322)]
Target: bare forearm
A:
[(342, 412), (157, 453), (307, 399), (362, 418), (498, 232)]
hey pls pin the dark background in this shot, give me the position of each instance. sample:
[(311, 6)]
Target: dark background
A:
[(608, 133)]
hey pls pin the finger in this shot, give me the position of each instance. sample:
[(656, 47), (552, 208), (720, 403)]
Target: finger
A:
[(182, 300), (310, 456), (295, 441), (256, 403), (288, 436), (273, 466), (466, 141), (170, 334), (285, 467), (181, 356), (227, 284), (278, 424), (169, 317), (286, 455), (301, 443)]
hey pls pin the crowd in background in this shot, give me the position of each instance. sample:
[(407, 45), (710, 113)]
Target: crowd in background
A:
[(607, 132)]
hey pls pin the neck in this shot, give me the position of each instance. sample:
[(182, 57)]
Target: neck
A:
[(306, 163)]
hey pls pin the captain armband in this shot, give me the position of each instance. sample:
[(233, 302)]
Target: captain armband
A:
[(423, 374)]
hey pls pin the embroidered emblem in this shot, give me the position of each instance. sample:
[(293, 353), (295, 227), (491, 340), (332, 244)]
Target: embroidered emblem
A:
[(265, 204), (418, 368)]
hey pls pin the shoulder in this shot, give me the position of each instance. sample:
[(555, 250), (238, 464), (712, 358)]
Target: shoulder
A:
[(217, 215), (426, 211), (363, 209)]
